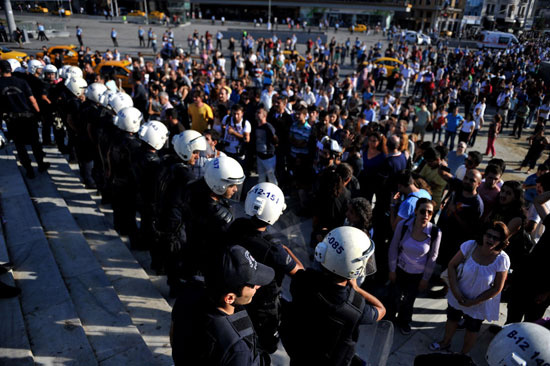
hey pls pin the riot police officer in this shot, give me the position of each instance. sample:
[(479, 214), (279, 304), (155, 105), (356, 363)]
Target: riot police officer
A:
[(208, 198), (264, 204), (20, 106), (171, 217), (124, 144), (92, 114), (145, 167), (210, 325), (321, 325), (50, 119)]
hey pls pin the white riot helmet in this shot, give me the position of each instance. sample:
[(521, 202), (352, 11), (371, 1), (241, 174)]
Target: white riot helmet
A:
[(73, 71), (222, 172), (154, 133), (33, 66), (347, 252), (106, 97), (95, 91), (63, 71), (128, 119), (517, 343), (266, 202), (76, 85), (119, 101), (49, 69), (187, 142), (14, 64)]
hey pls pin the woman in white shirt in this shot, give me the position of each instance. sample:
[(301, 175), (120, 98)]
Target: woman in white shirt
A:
[(466, 129), (477, 274), (478, 119)]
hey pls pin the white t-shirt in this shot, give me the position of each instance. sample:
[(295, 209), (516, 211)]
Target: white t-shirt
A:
[(475, 280), (241, 128), (468, 126)]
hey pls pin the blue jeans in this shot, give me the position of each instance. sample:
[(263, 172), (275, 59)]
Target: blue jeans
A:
[(450, 135)]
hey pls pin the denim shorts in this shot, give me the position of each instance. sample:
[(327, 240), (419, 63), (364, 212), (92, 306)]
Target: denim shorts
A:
[(471, 324)]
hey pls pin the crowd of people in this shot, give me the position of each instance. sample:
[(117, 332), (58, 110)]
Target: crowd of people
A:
[(352, 150)]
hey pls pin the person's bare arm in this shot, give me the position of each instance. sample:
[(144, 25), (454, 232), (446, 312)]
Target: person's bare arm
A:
[(299, 266), (453, 281), (539, 202), (370, 299), (32, 99), (497, 287)]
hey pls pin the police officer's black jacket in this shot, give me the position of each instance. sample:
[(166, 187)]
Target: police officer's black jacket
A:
[(204, 335), (145, 168), (320, 326), (123, 144)]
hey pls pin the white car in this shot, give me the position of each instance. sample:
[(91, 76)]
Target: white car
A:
[(413, 37), (425, 39)]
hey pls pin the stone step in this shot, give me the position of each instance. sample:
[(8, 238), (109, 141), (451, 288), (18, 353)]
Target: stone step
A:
[(15, 349), (55, 333), (109, 328), (149, 311)]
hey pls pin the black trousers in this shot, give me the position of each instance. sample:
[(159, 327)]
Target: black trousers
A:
[(24, 131)]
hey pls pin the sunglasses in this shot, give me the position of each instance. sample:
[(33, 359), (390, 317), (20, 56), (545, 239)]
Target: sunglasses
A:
[(426, 212), (491, 236)]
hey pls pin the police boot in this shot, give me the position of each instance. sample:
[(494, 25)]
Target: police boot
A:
[(42, 167)]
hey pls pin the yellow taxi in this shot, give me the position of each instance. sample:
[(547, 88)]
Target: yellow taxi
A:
[(390, 64), (39, 9), (70, 57), (136, 13), (119, 70), (157, 16), (358, 28), (300, 62), (6, 54)]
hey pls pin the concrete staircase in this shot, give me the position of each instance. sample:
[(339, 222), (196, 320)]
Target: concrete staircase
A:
[(85, 299)]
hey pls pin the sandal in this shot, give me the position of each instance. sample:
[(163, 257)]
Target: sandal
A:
[(435, 346)]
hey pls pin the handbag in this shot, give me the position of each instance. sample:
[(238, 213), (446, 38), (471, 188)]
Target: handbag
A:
[(459, 269)]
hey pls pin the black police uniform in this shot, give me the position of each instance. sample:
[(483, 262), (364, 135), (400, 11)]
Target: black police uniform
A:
[(206, 227), (62, 96), (102, 132), (123, 185), (265, 308), (320, 326), (204, 335), (88, 112), (49, 118), (145, 167), (170, 215), (21, 121)]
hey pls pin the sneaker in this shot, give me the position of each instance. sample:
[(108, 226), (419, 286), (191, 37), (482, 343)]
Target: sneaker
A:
[(405, 329)]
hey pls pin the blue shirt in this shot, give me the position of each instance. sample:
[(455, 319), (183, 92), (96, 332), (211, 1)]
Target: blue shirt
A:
[(299, 132), (531, 193), (454, 161), (453, 122), (406, 208), (78, 32), (113, 34)]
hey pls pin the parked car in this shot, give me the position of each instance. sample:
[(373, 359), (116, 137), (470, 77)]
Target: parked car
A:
[(389, 63), (119, 70), (413, 38), (71, 55), (6, 54), (39, 9), (358, 28), (490, 39)]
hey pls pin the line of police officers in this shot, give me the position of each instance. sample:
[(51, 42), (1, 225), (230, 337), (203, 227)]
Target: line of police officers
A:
[(188, 226), (229, 309)]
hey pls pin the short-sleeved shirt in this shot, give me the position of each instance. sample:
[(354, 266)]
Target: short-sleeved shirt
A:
[(299, 132), (14, 95), (454, 161), (241, 128), (406, 208), (200, 116), (530, 193), (453, 122), (436, 182), (475, 280), (265, 135)]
